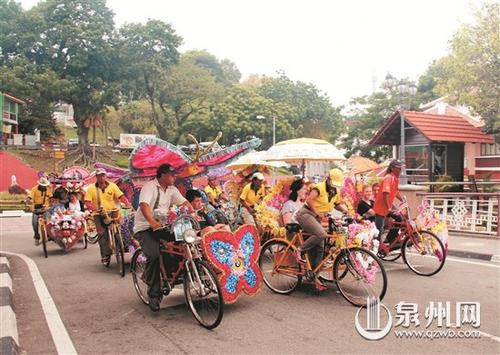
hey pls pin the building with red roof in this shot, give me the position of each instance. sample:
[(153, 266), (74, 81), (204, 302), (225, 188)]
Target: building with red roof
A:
[(434, 143)]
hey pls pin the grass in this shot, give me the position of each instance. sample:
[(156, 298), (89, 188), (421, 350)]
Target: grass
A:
[(42, 160), (6, 196), (12, 201)]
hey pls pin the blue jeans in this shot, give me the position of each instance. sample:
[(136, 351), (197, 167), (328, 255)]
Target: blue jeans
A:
[(34, 223)]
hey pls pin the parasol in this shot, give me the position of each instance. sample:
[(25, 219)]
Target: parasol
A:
[(255, 158), (358, 165), (304, 149)]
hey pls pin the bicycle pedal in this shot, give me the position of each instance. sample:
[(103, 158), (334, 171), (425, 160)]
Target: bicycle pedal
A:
[(165, 290)]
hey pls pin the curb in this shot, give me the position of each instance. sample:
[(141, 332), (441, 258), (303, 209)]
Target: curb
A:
[(9, 341), (14, 213), (473, 255)]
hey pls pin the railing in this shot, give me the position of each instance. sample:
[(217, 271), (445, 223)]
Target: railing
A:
[(467, 212)]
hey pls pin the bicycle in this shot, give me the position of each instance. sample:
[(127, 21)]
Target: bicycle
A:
[(42, 230), (111, 220), (423, 252), (357, 272), (202, 291)]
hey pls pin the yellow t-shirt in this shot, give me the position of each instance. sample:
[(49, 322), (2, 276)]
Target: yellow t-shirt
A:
[(108, 197), (322, 204), (40, 197), (213, 193), (250, 197)]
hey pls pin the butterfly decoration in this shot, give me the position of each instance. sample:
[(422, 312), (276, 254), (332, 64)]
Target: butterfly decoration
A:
[(152, 152), (235, 256)]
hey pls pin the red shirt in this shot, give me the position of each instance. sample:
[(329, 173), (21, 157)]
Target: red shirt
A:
[(390, 185)]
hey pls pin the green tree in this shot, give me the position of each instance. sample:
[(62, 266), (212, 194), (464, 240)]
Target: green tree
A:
[(224, 71), (367, 115), (311, 112), (74, 39), (37, 86), (148, 51), (472, 69)]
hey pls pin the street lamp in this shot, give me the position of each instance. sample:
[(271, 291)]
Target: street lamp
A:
[(405, 90), (262, 117)]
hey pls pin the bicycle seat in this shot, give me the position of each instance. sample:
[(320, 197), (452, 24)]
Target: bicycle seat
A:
[(293, 227)]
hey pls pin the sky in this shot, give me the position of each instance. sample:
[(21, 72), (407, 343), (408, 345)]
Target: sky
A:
[(344, 47)]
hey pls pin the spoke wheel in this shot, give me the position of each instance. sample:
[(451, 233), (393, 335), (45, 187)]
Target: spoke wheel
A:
[(42, 232), (119, 250), (280, 270), (138, 271), (359, 275), (424, 253), (205, 299)]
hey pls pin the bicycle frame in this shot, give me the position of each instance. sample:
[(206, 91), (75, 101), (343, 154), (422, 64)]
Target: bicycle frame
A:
[(339, 244), (189, 253)]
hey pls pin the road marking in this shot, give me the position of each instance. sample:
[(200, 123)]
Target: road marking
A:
[(472, 262), (60, 335), (493, 337)]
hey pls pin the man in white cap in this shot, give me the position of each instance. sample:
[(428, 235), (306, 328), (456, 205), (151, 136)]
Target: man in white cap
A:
[(39, 198), (251, 195), (104, 196)]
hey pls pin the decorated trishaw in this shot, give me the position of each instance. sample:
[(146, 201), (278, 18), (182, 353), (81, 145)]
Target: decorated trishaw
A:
[(232, 255), (61, 223)]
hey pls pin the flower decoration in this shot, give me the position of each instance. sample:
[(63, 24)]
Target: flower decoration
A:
[(429, 219), (235, 255), (363, 235), (66, 228), (350, 196), (268, 211)]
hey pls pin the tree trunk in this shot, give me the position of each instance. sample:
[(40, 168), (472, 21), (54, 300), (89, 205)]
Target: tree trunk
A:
[(83, 132)]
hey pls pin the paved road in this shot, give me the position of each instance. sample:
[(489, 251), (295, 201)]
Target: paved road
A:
[(103, 315)]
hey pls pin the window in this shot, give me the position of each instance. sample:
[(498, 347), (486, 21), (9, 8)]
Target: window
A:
[(417, 159), (10, 110), (439, 156), (490, 149)]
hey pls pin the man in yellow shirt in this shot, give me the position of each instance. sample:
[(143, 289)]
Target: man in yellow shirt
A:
[(251, 195), (104, 196), (39, 198), (214, 192), (323, 198)]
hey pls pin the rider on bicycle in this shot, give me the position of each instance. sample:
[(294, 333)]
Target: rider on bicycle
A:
[(389, 190), (157, 197), (103, 196), (39, 197), (323, 198)]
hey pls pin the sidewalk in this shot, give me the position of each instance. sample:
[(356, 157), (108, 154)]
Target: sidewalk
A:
[(474, 246)]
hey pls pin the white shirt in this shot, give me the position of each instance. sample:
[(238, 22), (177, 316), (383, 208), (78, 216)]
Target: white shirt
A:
[(149, 193), (291, 207)]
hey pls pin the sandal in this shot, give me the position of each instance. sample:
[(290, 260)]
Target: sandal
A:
[(106, 260), (319, 285)]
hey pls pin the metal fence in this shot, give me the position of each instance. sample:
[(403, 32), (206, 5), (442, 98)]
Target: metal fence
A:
[(467, 212)]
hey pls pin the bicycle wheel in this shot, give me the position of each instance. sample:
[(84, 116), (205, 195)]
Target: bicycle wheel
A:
[(91, 235), (359, 275), (42, 232), (84, 241), (205, 299), (424, 253), (138, 271), (119, 250), (280, 270)]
